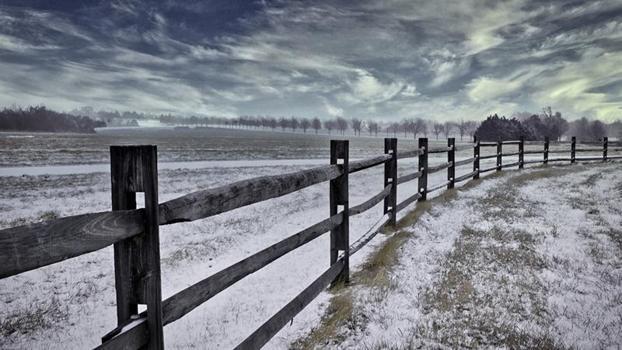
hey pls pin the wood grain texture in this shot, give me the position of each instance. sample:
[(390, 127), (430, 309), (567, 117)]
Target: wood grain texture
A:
[(28, 247), (422, 181), (390, 179), (439, 149), (408, 177), (437, 168), (409, 154), (218, 200), (467, 161), (188, 299), (370, 203), (271, 327), (368, 163), (406, 202), (451, 158), (133, 335)]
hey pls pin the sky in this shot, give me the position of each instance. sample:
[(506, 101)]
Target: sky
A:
[(387, 60)]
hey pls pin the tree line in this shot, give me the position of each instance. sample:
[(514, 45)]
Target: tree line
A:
[(39, 118)]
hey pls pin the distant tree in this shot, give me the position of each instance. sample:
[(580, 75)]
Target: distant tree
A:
[(437, 129), (316, 124), (500, 128), (418, 126), (372, 127), (294, 123), (329, 125), (341, 124), (305, 124), (471, 128), (39, 118), (356, 126), (449, 127), (462, 128), (283, 123)]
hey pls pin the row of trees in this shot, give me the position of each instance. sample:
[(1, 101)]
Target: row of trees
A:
[(537, 127), (39, 118)]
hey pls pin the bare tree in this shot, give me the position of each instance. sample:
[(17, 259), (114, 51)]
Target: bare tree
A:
[(356, 125), (437, 129), (449, 126), (419, 126), (305, 124), (329, 125), (283, 123), (342, 124), (294, 123), (372, 126), (316, 124)]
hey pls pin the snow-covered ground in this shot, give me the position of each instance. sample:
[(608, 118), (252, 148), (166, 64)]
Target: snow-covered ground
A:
[(532, 259), (72, 304)]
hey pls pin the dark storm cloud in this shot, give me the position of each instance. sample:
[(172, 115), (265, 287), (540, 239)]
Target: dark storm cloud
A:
[(383, 59)]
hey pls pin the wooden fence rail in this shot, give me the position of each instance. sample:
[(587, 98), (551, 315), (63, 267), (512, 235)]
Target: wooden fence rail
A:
[(135, 236)]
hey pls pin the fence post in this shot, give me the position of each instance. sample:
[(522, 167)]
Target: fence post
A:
[(390, 177), (499, 154), (546, 150), (339, 236), (605, 142), (521, 152), (423, 168), (573, 145), (137, 259), (451, 157), (476, 158)]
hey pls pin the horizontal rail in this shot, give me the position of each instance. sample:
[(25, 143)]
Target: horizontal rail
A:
[(134, 335), (464, 162), (409, 154), (28, 247), (509, 165), (440, 149), (534, 143), (433, 169), (188, 299), (368, 204), (406, 202), (510, 154), (533, 161), (534, 152), (465, 177), (488, 156), (464, 147), (359, 165), (559, 151), (559, 159), (588, 150), (589, 158), (487, 170), (409, 177), (512, 142), (614, 149), (363, 240), (438, 187), (271, 327), (202, 204), (487, 144), (614, 157)]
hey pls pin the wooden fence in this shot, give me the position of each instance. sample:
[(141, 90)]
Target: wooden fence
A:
[(135, 232)]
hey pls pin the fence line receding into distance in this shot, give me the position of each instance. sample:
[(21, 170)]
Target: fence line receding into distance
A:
[(135, 234)]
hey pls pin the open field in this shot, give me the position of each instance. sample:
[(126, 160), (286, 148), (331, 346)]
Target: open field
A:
[(529, 259), (71, 304)]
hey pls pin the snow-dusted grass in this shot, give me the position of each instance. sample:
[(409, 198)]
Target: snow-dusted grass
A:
[(530, 259)]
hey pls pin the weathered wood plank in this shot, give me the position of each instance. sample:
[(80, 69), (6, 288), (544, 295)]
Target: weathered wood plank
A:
[(188, 299), (362, 241), (488, 144), (439, 149), (509, 165), (28, 247), (511, 154), (370, 203), (408, 177), (438, 187), (588, 150), (406, 202), (464, 147), (465, 176), (538, 152), (559, 159), (434, 169), (467, 161), (368, 163), (409, 154), (488, 156), (271, 327), (513, 142), (218, 200), (390, 178), (132, 336), (487, 170), (451, 158), (422, 181)]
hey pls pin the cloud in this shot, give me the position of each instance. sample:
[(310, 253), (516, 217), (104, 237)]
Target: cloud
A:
[(391, 59)]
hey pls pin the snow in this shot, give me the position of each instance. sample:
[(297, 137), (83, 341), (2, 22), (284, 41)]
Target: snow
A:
[(77, 296)]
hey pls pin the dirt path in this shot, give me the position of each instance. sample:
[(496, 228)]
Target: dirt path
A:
[(530, 259)]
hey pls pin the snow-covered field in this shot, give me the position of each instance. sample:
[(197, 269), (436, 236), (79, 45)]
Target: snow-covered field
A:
[(72, 304), (532, 259)]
